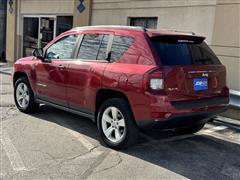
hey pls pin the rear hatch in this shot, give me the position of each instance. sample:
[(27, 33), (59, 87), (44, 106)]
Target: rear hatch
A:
[(191, 69)]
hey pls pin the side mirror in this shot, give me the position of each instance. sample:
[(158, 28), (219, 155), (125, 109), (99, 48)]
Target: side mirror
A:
[(38, 53)]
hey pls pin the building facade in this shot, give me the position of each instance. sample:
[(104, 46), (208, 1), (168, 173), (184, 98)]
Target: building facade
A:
[(33, 23), (3, 10)]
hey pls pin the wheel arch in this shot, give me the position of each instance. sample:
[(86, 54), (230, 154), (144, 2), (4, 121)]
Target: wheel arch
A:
[(18, 75), (105, 94)]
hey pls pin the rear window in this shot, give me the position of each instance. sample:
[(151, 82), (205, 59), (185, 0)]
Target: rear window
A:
[(184, 52)]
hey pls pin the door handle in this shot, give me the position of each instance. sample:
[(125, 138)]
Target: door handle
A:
[(61, 67)]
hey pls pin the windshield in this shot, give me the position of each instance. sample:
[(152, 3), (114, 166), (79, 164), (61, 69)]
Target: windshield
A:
[(184, 53)]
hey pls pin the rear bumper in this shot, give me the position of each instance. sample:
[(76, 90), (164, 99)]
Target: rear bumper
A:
[(182, 119), (200, 103)]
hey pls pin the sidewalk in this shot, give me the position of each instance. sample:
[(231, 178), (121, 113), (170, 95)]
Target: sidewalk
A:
[(5, 68)]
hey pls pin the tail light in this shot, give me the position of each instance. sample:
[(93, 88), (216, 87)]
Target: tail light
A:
[(154, 81), (156, 84)]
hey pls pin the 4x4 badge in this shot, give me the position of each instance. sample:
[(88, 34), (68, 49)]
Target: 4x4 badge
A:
[(205, 75)]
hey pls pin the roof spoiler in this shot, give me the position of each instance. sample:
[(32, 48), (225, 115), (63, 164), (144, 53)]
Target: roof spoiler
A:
[(178, 38)]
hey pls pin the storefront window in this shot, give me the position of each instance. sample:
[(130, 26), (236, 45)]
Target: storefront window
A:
[(30, 35), (46, 31), (64, 23), (147, 22), (39, 31)]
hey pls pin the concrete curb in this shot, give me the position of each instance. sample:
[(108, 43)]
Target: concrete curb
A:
[(5, 65), (232, 112), (235, 98), (6, 73), (6, 68)]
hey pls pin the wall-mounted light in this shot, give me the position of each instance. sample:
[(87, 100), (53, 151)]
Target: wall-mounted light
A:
[(10, 2)]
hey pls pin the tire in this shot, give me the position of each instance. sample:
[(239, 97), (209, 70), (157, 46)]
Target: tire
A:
[(118, 117), (24, 96), (190, 129)]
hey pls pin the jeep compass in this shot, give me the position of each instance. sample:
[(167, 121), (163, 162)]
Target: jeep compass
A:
[(125, 79)]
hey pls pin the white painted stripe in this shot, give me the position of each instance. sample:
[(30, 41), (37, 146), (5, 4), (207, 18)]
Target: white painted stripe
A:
[(221, 137), (12, 153), (214, 129), (210, 130), (91, 155), (226, 120), (80, 137)]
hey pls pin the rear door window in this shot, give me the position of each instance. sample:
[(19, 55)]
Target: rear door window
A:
[(93, 47), (184, 53), (102, 53)]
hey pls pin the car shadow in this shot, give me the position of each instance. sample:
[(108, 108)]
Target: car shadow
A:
[(194, 157)]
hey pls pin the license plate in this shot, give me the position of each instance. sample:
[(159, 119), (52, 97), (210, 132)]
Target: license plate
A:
[(200, 84)]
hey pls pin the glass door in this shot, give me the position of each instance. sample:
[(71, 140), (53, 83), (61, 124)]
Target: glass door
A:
[(38, 31), (47, 30), (30, 35)]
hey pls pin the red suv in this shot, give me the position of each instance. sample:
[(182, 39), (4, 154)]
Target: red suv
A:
[(124, 79)]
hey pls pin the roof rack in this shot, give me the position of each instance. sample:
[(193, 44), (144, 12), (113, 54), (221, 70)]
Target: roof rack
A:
[(110, 26), (139, 28)]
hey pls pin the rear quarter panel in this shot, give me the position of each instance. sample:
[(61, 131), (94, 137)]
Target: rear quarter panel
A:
[(128, 79)]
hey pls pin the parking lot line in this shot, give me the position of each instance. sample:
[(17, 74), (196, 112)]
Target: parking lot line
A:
[(213, 129), (219, 136), (226, 120), (210, 130), (80, 137), (12, 153)]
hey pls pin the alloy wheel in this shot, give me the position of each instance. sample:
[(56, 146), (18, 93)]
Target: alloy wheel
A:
[(22, 95), (113, 124)]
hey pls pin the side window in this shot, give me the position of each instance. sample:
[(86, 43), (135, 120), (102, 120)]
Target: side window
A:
[(93, 47), (119, 46), (147, 22), (62, 49)]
